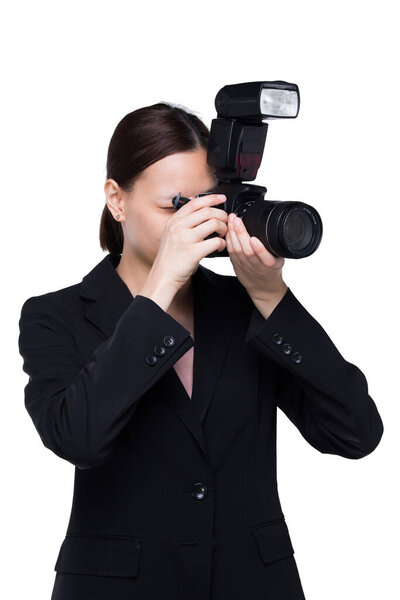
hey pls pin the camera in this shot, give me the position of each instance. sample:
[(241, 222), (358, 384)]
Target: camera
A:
[(289, 229)]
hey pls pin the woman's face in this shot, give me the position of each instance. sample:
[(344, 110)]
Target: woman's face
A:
[(147, 208)]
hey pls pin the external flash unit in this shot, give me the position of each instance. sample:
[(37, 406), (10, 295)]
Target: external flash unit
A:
[(237, 138)]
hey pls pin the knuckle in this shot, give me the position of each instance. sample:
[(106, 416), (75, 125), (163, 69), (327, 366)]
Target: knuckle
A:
[(221, 214), (199, 202)]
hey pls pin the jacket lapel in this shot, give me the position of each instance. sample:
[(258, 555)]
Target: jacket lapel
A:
[(109, 293), (216, 309)]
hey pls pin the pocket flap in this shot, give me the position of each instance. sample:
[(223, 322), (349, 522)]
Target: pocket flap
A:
[(99, 555), (273, 540)]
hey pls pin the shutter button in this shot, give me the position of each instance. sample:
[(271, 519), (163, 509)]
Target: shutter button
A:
[(199, 491), (169, 341)]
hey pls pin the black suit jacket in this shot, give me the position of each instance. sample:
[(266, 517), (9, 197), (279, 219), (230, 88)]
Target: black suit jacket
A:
[(176, 498)]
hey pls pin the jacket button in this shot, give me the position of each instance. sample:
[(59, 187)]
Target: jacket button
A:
[(199, 491), (151, 359), (277, 339), (286, 348), (297, 357), (159, 350), (169, 341)]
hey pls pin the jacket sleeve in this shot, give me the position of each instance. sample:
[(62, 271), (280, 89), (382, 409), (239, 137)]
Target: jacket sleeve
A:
[(79, 410), (325, 396)]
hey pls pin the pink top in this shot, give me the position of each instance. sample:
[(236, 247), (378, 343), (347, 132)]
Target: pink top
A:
[(184, 369)]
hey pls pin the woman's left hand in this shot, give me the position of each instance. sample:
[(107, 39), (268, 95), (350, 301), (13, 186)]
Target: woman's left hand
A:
[(257, 269)]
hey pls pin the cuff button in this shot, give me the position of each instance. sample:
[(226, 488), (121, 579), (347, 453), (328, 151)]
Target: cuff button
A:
[(151, 359), (297, 357), (169, 341), (286, 348), (159, 350), (277, 339)]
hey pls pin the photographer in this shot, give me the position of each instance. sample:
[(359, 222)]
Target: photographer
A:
[(159, 380)]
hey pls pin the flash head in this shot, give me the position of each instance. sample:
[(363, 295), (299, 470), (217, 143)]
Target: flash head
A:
[(259, 100)]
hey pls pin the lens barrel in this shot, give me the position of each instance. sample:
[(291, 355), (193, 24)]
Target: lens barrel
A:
[(286, 228)]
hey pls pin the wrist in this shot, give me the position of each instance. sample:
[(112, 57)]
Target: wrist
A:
[(159, 290), (267, 302), (275, 291)]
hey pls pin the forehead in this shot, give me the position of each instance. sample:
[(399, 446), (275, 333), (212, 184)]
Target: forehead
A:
[(183, 169)]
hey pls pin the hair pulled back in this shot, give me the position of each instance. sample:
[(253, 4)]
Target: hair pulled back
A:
[(140, 139)]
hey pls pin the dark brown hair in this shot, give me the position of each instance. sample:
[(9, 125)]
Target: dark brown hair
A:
[(140, 139)]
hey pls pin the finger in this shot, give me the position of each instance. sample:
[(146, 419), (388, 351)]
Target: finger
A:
[(229, 246), (203, 215), (198, 202), (236, 247), (262, 253), (209, 227), (243, 237)]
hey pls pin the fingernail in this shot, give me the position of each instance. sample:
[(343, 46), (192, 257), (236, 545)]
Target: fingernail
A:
[(221, 197)]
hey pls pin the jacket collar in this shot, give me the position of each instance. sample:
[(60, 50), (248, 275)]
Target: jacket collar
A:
[(216, 310)]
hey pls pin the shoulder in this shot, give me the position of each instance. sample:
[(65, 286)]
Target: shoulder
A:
[(61, 304)]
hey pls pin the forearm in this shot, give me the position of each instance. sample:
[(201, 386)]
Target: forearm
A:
[(78, 409), (323, 394)]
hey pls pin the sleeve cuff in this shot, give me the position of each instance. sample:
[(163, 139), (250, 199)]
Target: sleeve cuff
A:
[(292, 337)]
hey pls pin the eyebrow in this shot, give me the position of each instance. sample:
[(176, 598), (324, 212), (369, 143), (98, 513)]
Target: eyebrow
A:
[(172, 194)]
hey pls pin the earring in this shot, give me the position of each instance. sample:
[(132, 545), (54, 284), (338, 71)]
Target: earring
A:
[(117, 216)]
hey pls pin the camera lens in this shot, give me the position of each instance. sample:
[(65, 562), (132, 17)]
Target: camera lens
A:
[(297, 229), (290, 229)]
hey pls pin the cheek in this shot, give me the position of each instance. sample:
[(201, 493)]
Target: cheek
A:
[(145, 230), (158, 223)]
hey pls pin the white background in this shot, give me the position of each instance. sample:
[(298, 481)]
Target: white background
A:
[(70, 71)]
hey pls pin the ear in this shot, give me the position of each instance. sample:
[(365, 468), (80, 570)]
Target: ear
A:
[(114, 198)]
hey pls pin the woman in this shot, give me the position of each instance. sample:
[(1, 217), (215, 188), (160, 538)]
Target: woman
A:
[(175, 493)]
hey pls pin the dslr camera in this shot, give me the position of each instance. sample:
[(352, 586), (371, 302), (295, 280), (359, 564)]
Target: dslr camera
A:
[(237, 138)]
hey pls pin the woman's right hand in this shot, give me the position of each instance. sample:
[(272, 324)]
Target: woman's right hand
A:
[(182, 244)]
